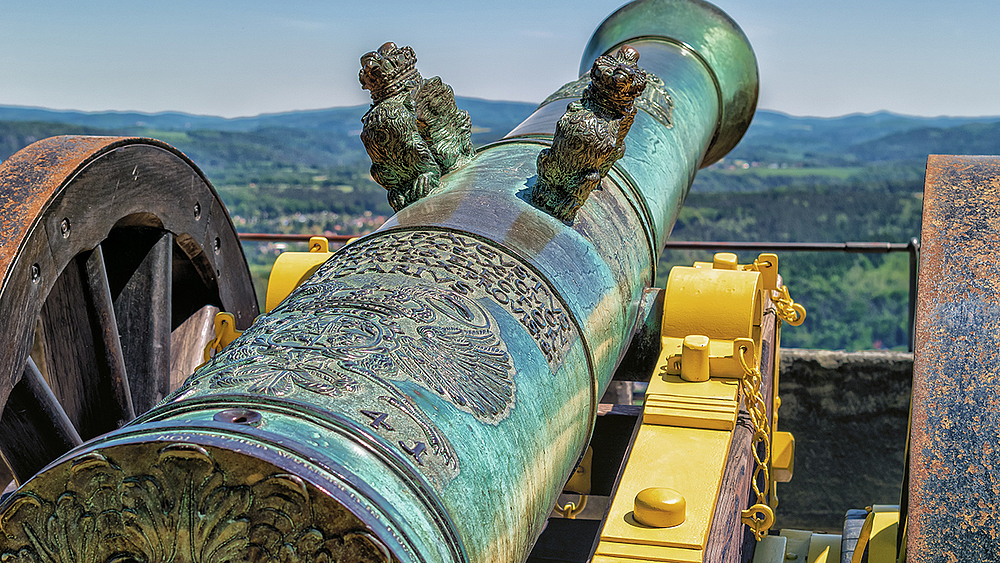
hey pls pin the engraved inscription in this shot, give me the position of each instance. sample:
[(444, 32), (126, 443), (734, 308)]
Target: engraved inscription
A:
[(346, 348), (445, 458), (368, 346), (469, 268), (378, 419), (302, 370), (416, 451)]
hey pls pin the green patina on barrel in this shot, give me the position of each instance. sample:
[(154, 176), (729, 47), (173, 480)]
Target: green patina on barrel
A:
[(437, 379)]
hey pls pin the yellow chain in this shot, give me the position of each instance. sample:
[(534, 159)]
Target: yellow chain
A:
[(787, 309), (759, 517)]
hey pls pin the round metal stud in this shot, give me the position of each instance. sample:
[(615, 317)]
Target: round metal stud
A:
[(660, 507), (238, 416)]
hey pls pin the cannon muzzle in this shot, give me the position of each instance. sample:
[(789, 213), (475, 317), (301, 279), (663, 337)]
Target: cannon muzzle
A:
[(426, 393)]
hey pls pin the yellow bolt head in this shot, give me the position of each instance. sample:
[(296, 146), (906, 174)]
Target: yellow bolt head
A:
[(694, 357), (659, 507), (725, 261)]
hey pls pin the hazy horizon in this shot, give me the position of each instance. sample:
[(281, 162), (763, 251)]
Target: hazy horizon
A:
[(228, 59), (306, 110)]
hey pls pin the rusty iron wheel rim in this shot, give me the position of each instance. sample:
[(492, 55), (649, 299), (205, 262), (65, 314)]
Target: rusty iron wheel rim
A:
[(69, 203)]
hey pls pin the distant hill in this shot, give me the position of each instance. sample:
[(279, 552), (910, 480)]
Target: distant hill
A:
[(836, 133), (840, 132), (322, 137), (329, 137), (856, 177), (498, 117), (328, 119), (115, 119), (973, 138), (818, 141), (15, 135)]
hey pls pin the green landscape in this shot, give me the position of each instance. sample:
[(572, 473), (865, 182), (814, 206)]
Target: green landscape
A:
[(801, 179)]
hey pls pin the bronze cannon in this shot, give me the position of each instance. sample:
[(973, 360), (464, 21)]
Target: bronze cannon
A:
[(424, 395)]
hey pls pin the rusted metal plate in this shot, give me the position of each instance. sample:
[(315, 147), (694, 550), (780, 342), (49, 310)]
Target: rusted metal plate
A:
[(954, 493), (28, 180)]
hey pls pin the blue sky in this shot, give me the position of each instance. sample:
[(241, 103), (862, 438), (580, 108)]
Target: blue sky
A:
[(922, 57)]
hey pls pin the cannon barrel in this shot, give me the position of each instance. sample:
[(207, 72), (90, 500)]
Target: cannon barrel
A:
[(426, 393)]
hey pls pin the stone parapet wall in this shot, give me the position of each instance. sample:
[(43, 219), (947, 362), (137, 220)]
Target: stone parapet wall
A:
[(848, 412)]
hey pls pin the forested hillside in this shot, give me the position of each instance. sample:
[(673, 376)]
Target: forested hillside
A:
[(854, 178)]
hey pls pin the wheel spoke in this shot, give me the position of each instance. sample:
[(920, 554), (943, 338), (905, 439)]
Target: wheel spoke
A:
[(143, 309), (105, 327), (82, 356), (34, 428), (100, 324), (71, 369)]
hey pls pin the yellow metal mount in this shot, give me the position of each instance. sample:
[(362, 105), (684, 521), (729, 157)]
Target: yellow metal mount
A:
[(718, 302), (710, 349), (782, 456), (878, 534), (571, 509), (289, 271), (225, 332), (579, 481), (293, 268)]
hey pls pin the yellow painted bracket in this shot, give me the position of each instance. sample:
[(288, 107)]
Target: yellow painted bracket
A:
[(579, 482), (782, 456), (710, 405), (722, 302), (664, 503), (293, 268), (878, 534), (684, 356), (688, 461), (225, 332)]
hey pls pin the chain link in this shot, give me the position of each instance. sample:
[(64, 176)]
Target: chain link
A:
[(787, 309), (571, 509), (759, 517)]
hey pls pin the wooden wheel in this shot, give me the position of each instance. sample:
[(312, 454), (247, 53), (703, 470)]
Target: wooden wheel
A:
[(115, 255)]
